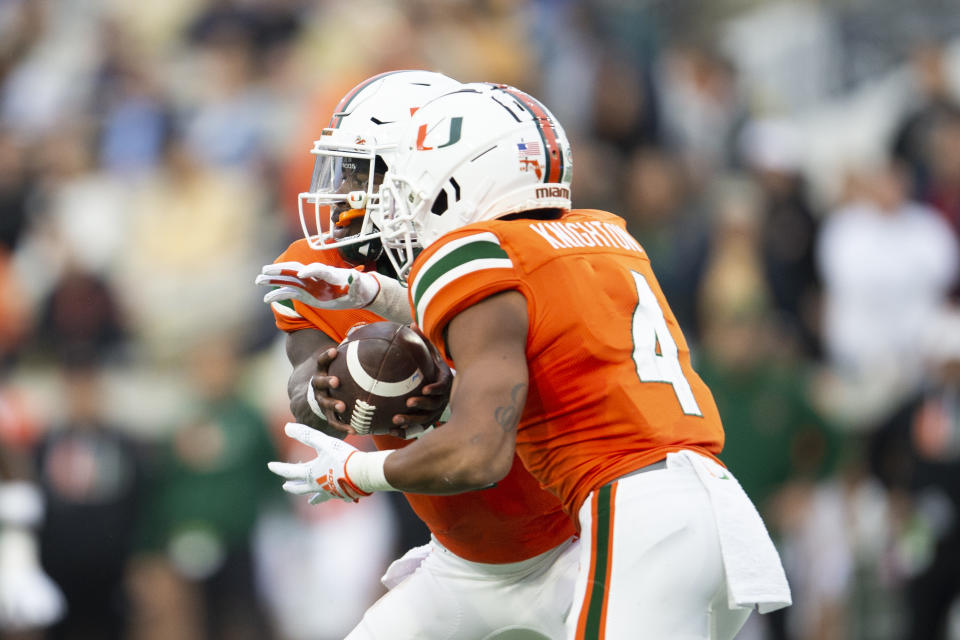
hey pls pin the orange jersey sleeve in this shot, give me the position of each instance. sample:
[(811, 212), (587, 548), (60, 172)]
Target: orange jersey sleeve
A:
[(611, 385), (513, 521)]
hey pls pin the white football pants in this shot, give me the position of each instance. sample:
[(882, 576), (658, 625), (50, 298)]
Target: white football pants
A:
[(449, 598), (652, 567)]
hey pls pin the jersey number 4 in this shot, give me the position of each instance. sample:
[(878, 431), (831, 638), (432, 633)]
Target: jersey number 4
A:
[(654, 349)]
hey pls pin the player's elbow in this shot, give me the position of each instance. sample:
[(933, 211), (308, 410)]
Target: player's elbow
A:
[(478, 477), (486, 469)]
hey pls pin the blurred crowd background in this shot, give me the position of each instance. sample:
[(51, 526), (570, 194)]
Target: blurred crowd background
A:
[(792, 167)]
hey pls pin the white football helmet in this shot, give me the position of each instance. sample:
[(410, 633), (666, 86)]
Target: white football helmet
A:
[(480, 152), (353, 153)]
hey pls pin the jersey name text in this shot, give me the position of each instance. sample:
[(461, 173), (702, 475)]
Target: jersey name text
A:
[(592, 233)]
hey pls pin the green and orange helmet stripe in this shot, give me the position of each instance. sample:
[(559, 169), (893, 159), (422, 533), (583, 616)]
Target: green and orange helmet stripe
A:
[(553, 171)]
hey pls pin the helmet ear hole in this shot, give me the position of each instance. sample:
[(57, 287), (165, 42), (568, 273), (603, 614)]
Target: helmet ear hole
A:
[(440, 204)]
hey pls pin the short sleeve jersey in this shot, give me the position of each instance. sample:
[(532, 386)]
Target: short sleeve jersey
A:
[(510, 522), (611, 385)]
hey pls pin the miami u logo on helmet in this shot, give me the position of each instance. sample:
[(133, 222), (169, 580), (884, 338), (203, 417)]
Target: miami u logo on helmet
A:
[(456, 126)]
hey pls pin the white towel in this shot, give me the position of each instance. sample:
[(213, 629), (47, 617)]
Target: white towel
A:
[(403, 567), (752, 565)]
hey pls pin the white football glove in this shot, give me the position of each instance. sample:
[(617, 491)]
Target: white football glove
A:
[(326, 475), (29, 599), (319, 285)]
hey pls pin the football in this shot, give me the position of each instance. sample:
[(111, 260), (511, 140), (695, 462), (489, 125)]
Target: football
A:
[(380, 365)]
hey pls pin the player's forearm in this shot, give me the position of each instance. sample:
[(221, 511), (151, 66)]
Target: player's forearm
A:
[(472, 451), (427, 467), (442, 465)]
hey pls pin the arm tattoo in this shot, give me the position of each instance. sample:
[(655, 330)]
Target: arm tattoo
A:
[(508, 416)]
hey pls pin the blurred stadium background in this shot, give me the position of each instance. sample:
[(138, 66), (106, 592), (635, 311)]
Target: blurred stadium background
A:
[(792, 167)]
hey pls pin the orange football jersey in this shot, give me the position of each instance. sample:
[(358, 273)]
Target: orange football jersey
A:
[(513, 521), (611, 386)]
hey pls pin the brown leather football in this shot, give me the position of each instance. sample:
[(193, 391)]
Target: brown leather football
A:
[(380, 365)]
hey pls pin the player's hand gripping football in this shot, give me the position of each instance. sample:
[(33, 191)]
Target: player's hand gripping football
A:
[(318, 285), (317, 408), (423, 410), (325, 475), (314, 406)]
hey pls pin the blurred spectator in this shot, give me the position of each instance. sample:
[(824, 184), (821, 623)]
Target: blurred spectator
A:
[(212, 482), (194, 232), (133, 114), (887, 264), (19, 427), (15, 188), (734, 277), (916, 452), (765, 400), (635, 29), (21, 24), (838, 540), (789, 54), (772, 151), (81, 214), (752, 364), (49, 83), (228, 126), (567, 57), (15, 313), (470, 41), (29, 600), (91, 473), (267, 25), (87, 209), (942, 189), (627, 117), (700, 107), (81, 314), (664, 214), (595, 184), (879, 34), (932, 100)]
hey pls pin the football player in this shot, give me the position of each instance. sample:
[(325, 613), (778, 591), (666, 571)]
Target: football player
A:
[(499, 559), (567, 355)]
